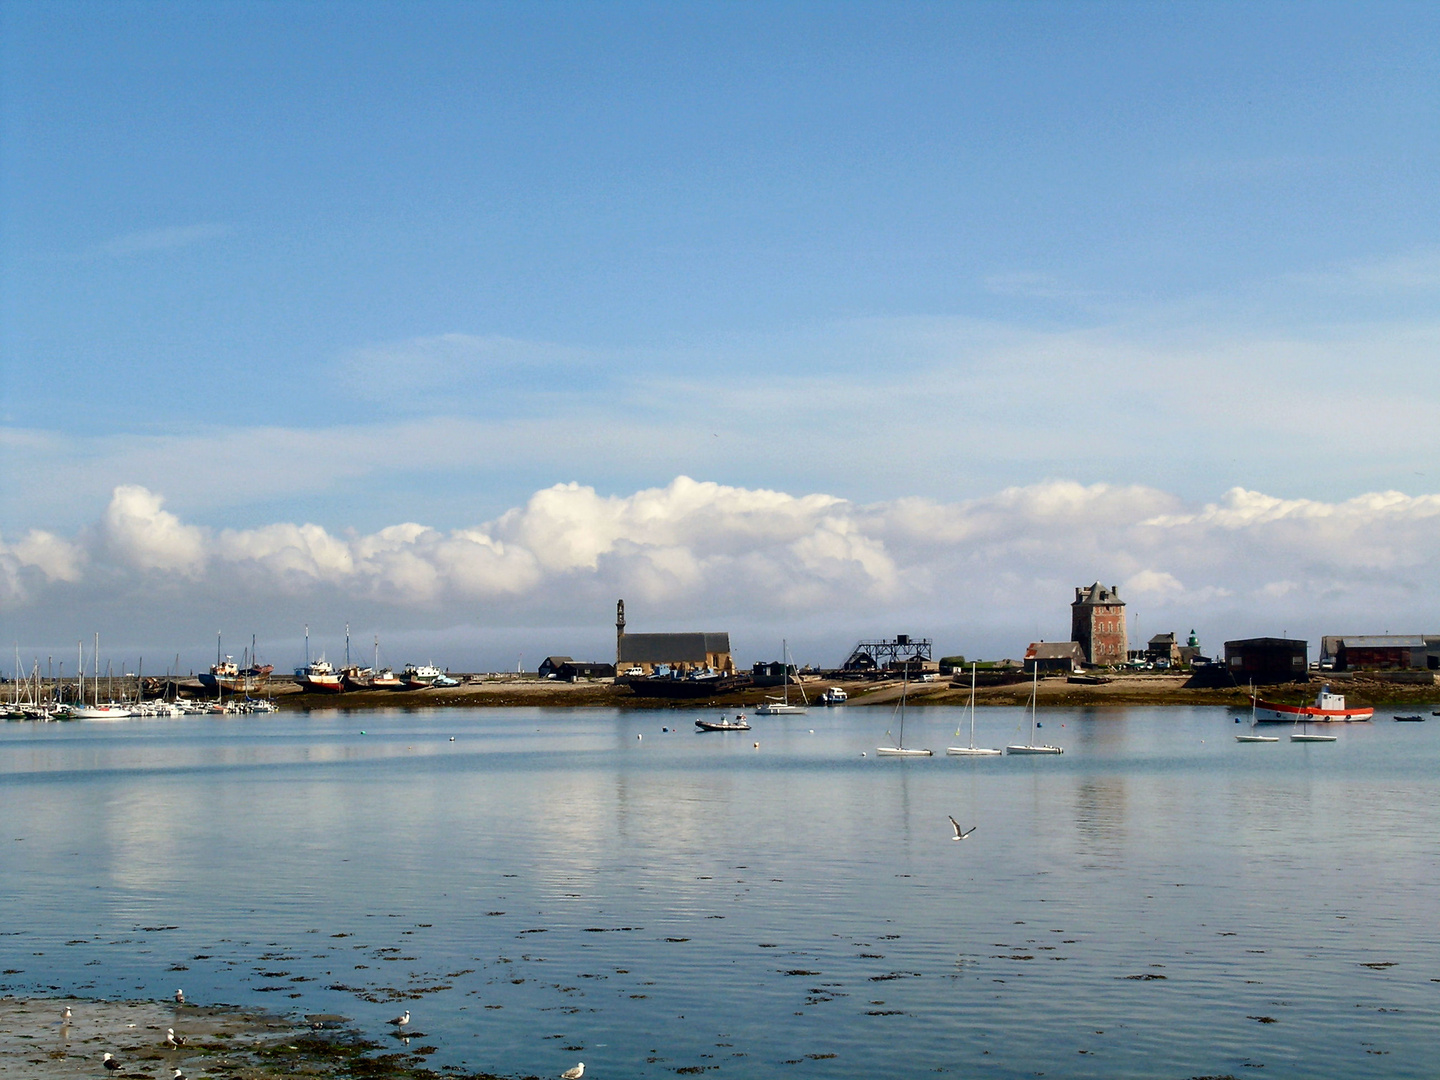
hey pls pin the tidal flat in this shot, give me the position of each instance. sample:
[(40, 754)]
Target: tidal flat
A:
[(543, 887)]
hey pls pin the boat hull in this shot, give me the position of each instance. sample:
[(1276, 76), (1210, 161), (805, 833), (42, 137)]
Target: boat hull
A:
[(971, 751), (687, 688), (1034, 750), (902, 751), (720, 725), (769, 709), (1312, 738), (1257, 738), (320, 684), (1270, 712)]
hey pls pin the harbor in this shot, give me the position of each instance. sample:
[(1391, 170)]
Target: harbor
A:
[(539, 887)]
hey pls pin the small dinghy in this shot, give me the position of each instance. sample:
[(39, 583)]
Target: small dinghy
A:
[(723, 724)]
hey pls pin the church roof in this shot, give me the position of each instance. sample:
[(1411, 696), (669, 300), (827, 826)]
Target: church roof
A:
[(692, 648)]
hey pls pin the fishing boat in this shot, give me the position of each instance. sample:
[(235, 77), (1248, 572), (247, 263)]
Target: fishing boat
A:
[(834, 696), (1328, 708), (420, 676), (899, 749), (318, 675), (724, 724), (225, 674), (1032, 747), (971, 750), (781, 706), (1251, 736)]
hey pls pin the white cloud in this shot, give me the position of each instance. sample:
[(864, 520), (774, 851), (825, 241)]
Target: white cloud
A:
[(169, 238), (1001, 566)]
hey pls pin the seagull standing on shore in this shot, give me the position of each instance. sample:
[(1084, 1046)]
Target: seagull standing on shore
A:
[(178, 1075), (400, 1021), (65, 1016), (179, 997), (575, 1073), (170, 1038), (109, 1061), (960, 834)]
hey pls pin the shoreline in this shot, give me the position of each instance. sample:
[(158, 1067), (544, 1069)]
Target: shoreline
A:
[(1120, 691)]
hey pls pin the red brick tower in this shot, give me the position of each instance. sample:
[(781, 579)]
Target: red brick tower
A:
[(1097, 622)]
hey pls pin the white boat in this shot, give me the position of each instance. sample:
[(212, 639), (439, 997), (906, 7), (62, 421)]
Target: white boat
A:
[(420, 676), (1328, 707), (723, 724), (834, 696), (101, 712), (781, 706), (1251, 737), (319, 674), (1299, 735), (971, 750), (899, 749), (1032, 747)]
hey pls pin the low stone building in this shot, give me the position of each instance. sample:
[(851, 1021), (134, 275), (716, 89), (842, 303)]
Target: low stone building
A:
[(679, 652), (1054, 657)]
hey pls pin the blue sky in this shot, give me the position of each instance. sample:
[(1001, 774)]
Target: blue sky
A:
[(359, 265)]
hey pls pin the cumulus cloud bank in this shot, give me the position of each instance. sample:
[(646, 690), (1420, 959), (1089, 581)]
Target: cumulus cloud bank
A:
[(1005, 560)]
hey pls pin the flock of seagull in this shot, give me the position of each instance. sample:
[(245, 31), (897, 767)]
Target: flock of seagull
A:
[(174, 1042)]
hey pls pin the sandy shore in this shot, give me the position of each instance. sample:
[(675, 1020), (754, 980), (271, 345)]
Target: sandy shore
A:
[(220, 1043), (1122, 690)]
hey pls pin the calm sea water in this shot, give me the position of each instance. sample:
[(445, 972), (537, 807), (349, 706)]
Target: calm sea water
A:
[(1159, 902)]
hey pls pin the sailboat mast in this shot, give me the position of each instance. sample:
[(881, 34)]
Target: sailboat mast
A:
[(972, 706), (1034, 697)]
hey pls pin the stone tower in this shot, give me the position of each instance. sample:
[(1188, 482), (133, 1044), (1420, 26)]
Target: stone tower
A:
[(1097, 622), (619, 631)]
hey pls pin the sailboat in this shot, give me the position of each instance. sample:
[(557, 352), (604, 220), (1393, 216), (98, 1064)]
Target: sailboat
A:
[(1031, 747), (1299, 735), (1252, 736), (110, 711), (900, 749), (972, 750), (781, 706)]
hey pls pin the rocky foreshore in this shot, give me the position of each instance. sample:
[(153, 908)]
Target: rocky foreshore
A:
[(37, 1042)]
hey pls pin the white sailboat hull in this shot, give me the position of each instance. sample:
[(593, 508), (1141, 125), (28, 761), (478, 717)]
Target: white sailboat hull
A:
[(1298, 737), (902, 751), (776, 708), (1257, 738), (1033, 750), (971, 751)]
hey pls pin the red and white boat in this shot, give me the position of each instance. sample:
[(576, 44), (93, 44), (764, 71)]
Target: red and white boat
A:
[(1328, 707)]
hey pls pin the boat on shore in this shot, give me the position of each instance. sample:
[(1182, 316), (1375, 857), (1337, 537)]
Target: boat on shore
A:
[(1328, 708), (668, 686), (420, 676), (834, 696), (724, 724)]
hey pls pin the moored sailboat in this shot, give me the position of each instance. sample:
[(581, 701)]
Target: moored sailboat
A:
[(971, 750), (899, 749), (1032, 747)]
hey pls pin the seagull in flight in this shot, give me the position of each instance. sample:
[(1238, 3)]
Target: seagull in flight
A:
[(960, 834), (575, 1073), (401, 1020)]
